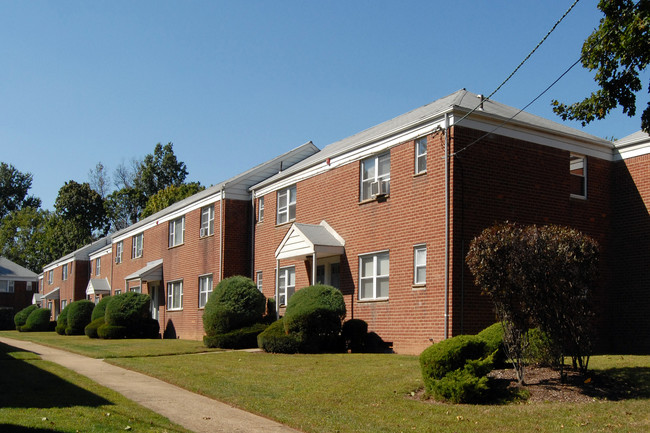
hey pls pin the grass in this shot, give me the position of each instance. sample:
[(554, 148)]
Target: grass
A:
[(39, 396), (98, 348), (372, 393)]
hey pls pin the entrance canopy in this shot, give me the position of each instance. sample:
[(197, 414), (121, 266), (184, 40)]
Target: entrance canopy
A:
[(303, 240), (54, 294), (151, 272), (98, 287)]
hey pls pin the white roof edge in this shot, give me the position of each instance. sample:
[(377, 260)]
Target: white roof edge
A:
[(82, 253), (633, 145)]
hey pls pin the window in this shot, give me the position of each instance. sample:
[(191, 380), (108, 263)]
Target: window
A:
[(50, 277), (136, 289), (373, 276), (119, 247), (205, 288), (207, 221), (64, 303), (6, 286), (287, 205), (287, 284), (259, 280), (177, 231), (98, 266), (118, 291), (64, 272), (137, 246), (260, 209), (29, 286), (375, 176), (420, 264), (578, 170), (421, 155), (175, 295)]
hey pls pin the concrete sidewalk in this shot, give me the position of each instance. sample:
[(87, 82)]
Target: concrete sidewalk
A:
[(193, 411)]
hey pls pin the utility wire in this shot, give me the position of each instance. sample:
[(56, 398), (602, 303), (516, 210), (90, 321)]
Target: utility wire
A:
[(522, 62)]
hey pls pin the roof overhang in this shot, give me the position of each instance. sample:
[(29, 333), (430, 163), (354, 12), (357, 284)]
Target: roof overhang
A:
[(308, 239), (151, 272), (98, 287), (54, 294), (36, 298)]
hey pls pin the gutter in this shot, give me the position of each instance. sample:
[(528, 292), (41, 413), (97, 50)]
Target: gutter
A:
[(447, 224)]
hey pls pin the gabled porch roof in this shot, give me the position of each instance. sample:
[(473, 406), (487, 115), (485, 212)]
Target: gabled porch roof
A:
[(98, 287), (151, 272), (54, 294), (310, 239)]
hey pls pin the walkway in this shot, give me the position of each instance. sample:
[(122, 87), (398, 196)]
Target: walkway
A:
[(193, 411)]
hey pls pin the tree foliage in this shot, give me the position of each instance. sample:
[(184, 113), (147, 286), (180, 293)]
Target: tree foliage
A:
[(168, 196), (538, 276), (14, 186), (160, 170), (123, 207), (618, 50), (24, 238), (99, 180)]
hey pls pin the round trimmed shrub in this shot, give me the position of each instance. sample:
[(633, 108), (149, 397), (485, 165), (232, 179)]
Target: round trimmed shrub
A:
[(79, 314), (38, 321), (314, 314), (354, 333), (493, 338), (235, 303), (541, 349), (449, 355), (91, 329), (111, 332), (242, 338), (129, 310), (21, 317), (276, 340), (7, 319), (100, 308), (150, 328), (62, 320)]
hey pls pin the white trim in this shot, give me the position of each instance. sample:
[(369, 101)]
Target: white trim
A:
[(167, 295), (104, 251), (58, 265)]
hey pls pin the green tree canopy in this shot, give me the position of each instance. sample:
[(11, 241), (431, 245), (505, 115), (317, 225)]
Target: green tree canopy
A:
[(79, 204), (618, 50), (160, 170), (123, 207), (14, 186), (24, 238), (169, 196)]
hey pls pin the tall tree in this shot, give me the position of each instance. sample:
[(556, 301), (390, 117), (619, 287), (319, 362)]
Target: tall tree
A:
[(618, 50), (168, 196), (24, 238), (160, 170), (14, 186), (99, 180), (124, 174), (123, 207), (77, 204)]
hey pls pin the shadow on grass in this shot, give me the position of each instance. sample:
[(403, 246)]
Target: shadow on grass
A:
[(626, 383), (11, 428), (24, 385)]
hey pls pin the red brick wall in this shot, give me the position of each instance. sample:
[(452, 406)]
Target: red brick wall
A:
[(20, 298), (70, 290), (629, 300)]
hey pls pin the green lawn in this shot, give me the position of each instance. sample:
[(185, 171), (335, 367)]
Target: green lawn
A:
[(372, 393), (39, 396)]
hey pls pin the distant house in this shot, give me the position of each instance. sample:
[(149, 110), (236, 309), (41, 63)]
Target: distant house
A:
[(17, 285)]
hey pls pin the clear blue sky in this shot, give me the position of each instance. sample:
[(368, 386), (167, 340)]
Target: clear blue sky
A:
[(235, 83)]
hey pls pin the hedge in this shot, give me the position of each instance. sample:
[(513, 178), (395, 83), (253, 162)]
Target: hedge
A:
[(129, 310), (100, 308), (91, 329), (21, 317), (62, 321), (275, 339), (38, 321), (235, 303), (111, 332), (493, 338), (243, 338), (79, 315)]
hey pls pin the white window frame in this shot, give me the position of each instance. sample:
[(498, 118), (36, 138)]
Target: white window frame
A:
[(375, 277), (137, 245), (260, 209), (28, 286), (258, 280), (64, 303), (205, 288), (118, 292), (419, 263), (119, 248), (175, 226), (136, 289), (374, 183), (285, 290), (7, 286), (50, 277), (207, 221), (287, 212), (172, 286), (98, 265), (64, 272), (421, 155), (575, 161)]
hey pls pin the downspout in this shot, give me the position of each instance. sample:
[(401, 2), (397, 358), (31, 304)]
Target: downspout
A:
[(277, 289), (253, 227), (447, 224), (221, 234), (313, 268)]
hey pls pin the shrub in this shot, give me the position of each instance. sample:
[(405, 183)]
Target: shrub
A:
[(276, 340), (150, 328), (449, 355), (242, 338), (38, 321), (100, 308), (112, 332), (62, 321), (493, 338), (7, 319), (79, 313), (460, 386), (541, 349), (129, 310), (235, 303), (91, 329), (314, 315), (354, 333), (21, 317)]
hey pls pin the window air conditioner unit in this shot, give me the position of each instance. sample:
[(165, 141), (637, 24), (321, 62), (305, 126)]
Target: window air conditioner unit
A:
[(203, 232), (374, 189), (117, 259), (379, 188), (384, 187)]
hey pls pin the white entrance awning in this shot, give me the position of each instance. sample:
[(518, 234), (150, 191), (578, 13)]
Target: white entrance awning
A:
[(98, 287), (151, 272), (310, 239), (36, 299), (54, 294)]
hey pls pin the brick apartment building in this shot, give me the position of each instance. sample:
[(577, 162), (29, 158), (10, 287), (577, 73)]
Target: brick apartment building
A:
[(387, 215), (17, 285)]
